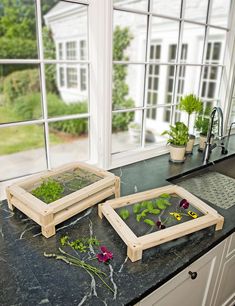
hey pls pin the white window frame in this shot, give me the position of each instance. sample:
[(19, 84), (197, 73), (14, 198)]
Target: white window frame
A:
[(100, 23)]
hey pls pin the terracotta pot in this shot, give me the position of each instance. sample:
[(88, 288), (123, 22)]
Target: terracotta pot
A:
[(177, 153), (202, 142), (190, 144)]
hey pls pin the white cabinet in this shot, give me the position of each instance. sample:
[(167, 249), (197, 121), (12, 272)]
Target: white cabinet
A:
[(214, 284), (225, 287)]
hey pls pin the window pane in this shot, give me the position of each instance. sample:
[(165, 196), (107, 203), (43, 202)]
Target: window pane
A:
[(126, 131), (63, 37), (219, 12), (188, 81), (196, 10), (67, 89), (211, 82), (128, 86), (136, 5), (164, 31), (71, 143), (156, 124), (167, 7), (170, 80), (20, 97), (193, 38), (21, 150), (129, 36), (215, 45), (18, 30), (232, 118)]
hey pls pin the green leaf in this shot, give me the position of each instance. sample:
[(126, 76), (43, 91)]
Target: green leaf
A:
[(138, 217), (161, 203), (149, 222), (136, 208), (124, 213), (144, 212), (165, 196), (149, 205), (155, 211), (144, 204)]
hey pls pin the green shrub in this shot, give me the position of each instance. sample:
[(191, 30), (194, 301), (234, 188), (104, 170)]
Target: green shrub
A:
[(21, 83), (28, 107)]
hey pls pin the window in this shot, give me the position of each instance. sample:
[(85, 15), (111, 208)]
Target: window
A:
[(71, 50), (153, 81), (83, 80), (72, 80), (82, 50), (210, 76), (82, 105), (187, 60), (61, 76), (55, 130)]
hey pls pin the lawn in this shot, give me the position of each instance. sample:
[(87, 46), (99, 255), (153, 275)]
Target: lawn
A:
[(21, 138)]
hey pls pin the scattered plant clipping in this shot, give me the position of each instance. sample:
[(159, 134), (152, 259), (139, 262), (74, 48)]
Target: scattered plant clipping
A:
[(105, 255), (82, 244), (75, 261), (49, 191)]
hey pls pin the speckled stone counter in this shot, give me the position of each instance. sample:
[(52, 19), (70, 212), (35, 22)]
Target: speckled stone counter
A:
[(28, 278)]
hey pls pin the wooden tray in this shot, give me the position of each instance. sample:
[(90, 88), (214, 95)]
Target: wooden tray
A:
[(136, 244), (49, 215)]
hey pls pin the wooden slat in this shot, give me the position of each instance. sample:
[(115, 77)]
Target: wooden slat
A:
[(81, 194), (203, 207), (120, 226), (176, 231), (29, 200), (82, 205), (141, 196), (27, 211)]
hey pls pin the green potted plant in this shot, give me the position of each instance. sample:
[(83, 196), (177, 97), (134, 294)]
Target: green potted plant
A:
[(178, 138), (202, 124), (190, 104)]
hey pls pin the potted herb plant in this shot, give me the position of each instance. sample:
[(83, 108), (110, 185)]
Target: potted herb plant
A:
[(202, 124), (178, 138), (190, 104)]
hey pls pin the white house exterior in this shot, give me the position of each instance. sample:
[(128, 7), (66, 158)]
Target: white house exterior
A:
[(68, 23)]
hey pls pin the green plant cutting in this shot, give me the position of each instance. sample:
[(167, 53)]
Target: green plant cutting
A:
[(49, 191), (203, 120), (190, 104), (178, 134)]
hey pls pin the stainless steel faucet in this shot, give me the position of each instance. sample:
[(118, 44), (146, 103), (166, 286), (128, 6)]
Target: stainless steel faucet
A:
[(209, 147), (228, 137)]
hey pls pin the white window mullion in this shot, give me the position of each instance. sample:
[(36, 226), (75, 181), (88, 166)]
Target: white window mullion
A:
[(43, 82), (100, 50)]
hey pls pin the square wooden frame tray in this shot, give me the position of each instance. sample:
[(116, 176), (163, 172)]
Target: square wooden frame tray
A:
[(136, 245), (49, 215)]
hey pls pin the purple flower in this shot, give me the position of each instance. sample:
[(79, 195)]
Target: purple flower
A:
[(184, 204), (160, 225), (105, 254)]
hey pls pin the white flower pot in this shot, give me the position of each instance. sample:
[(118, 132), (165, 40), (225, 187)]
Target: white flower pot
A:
[(190, 144), (177, 153)]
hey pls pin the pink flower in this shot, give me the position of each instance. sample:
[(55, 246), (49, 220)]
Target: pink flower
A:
[(105, 254), (184, 204)]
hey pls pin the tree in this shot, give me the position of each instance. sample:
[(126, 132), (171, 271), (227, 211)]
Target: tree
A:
[(18, 31), (121, 40)]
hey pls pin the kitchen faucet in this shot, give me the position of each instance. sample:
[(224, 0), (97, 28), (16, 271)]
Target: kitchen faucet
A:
[(209, 147)]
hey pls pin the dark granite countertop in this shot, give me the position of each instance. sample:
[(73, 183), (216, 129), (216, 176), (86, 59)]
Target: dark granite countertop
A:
[(28, 278)]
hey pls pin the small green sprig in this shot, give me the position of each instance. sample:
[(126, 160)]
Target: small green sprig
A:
[(81, 244), (75, 261)]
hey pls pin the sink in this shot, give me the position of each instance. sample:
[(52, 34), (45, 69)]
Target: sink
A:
[(214, 183)]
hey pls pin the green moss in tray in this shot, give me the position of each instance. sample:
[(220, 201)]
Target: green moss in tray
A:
[(49, 191)]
